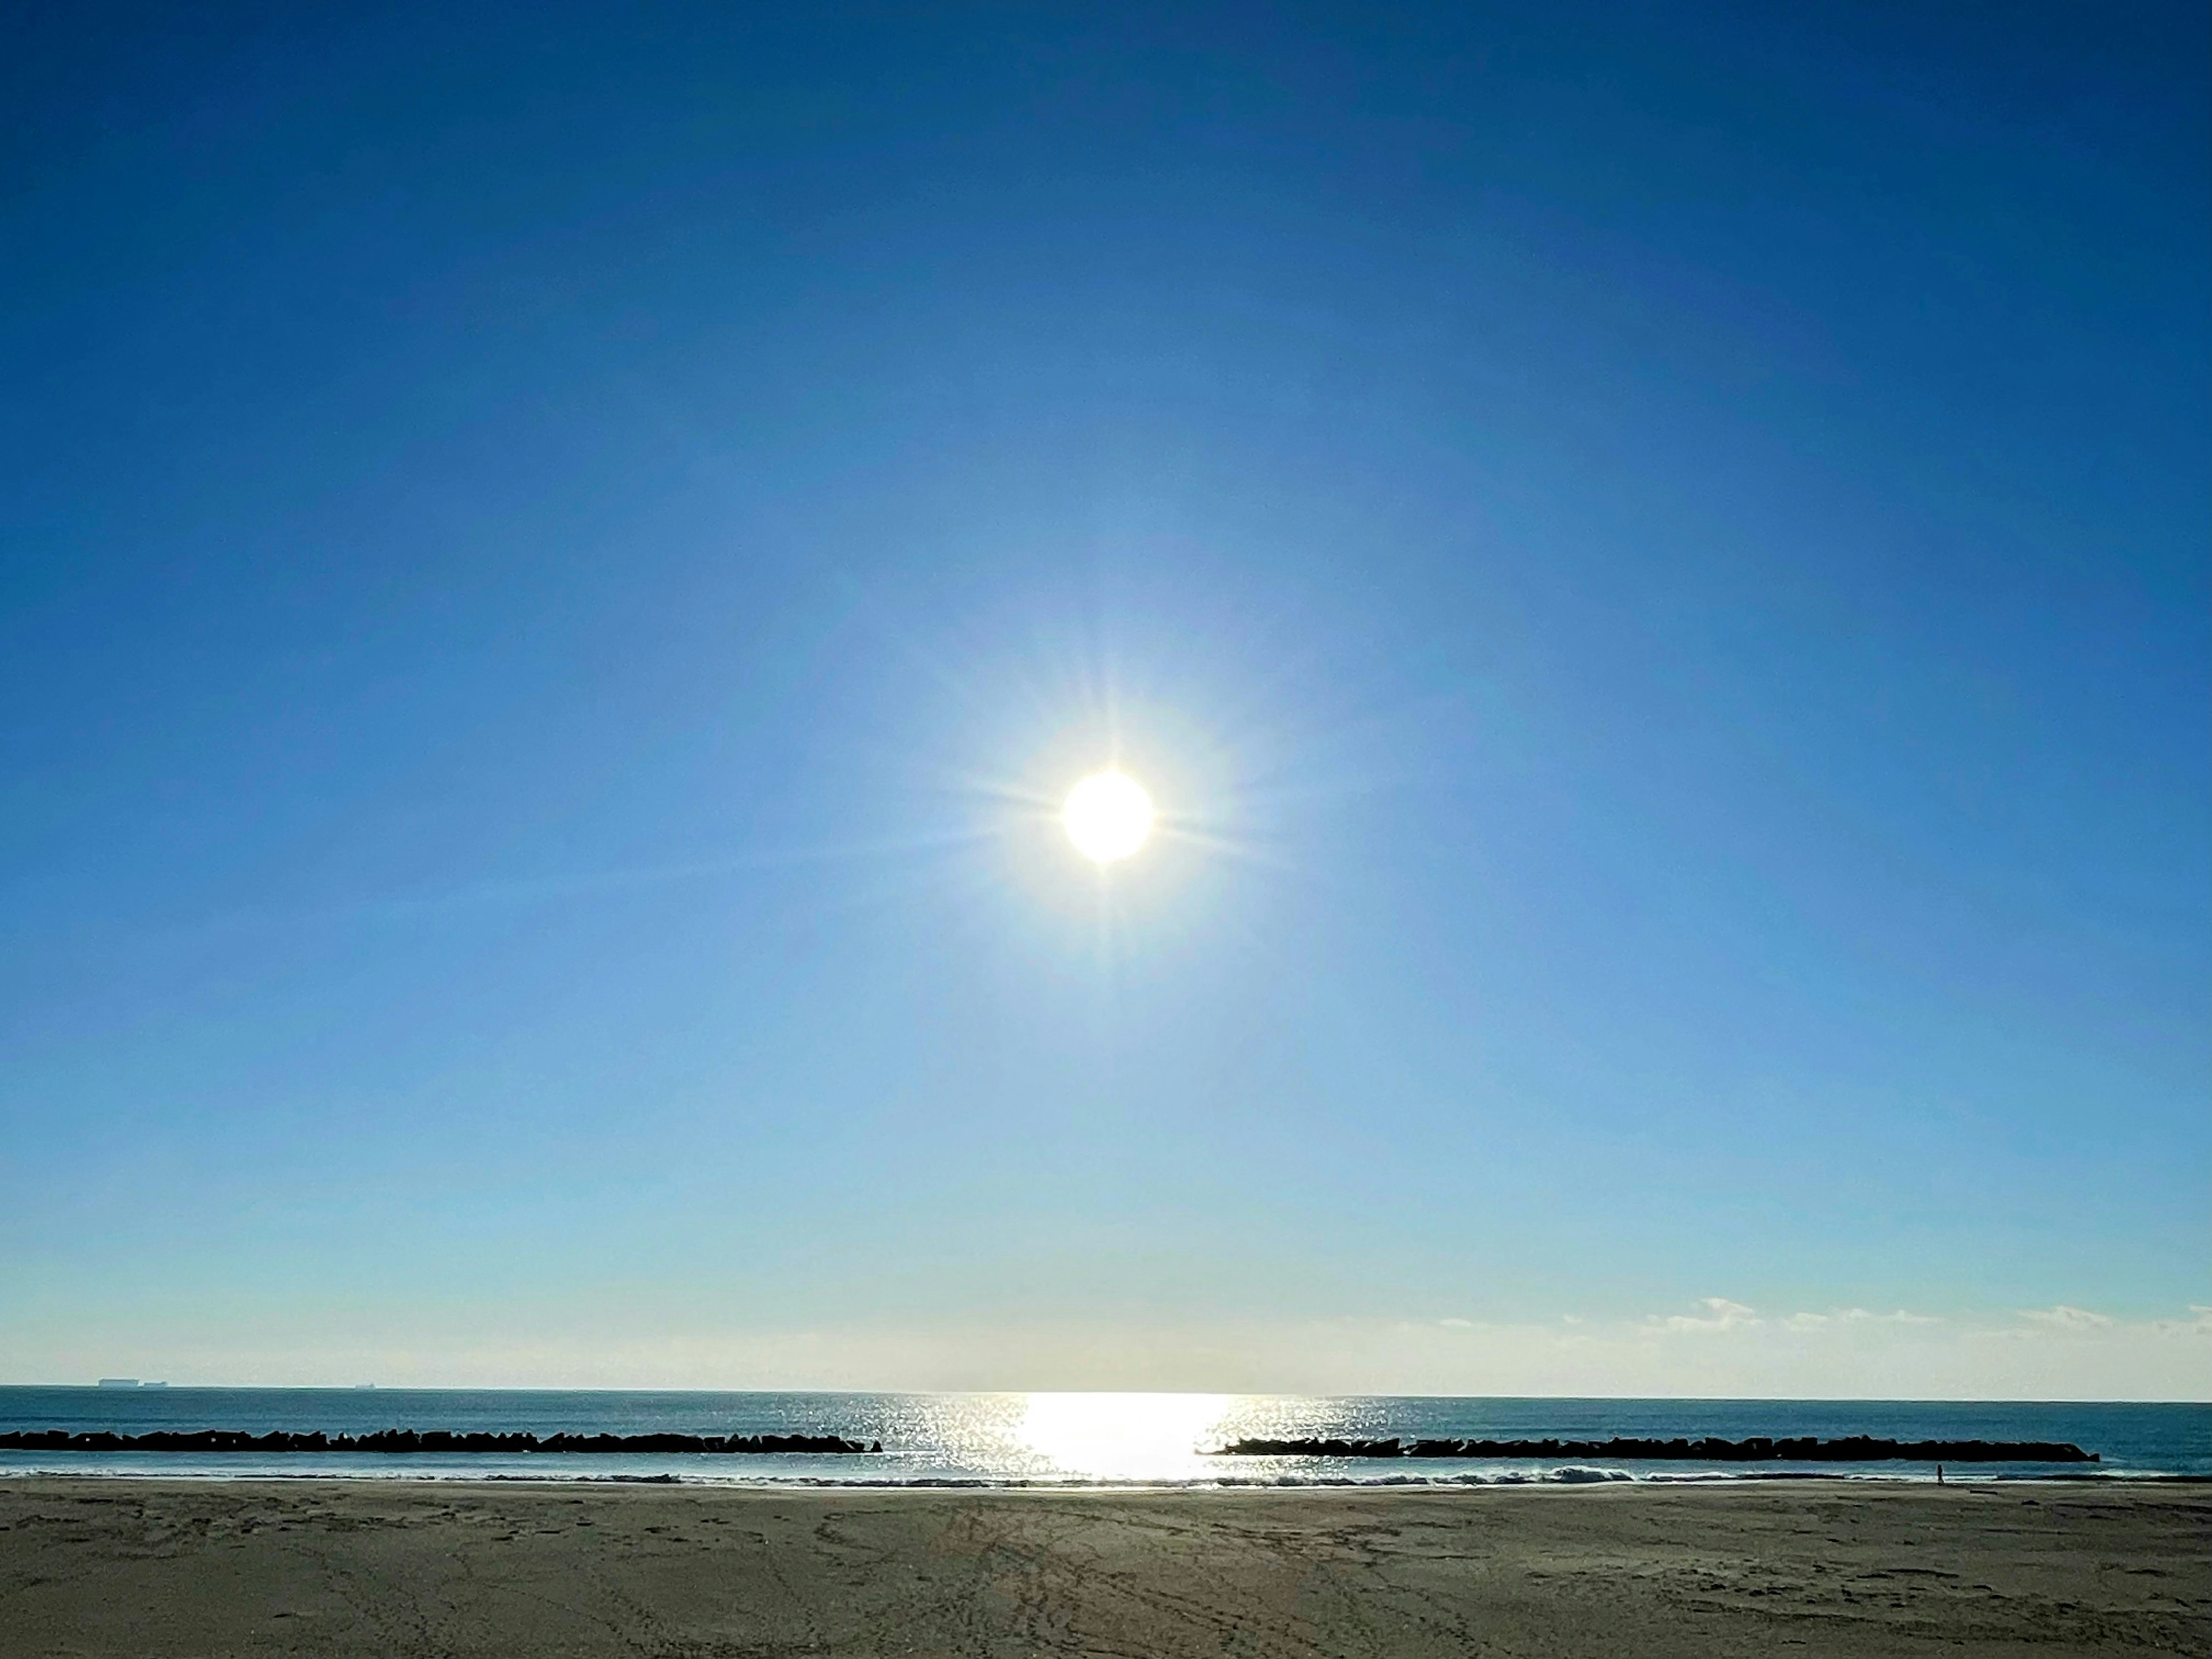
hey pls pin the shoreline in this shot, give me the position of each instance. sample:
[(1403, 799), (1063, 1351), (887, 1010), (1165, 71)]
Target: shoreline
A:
[(1567, 1476), (171, 1566), (1858, 1450)]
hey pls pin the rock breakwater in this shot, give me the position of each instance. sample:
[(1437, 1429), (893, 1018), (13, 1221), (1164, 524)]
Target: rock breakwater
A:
[(1849, 1449), (428, 1440)]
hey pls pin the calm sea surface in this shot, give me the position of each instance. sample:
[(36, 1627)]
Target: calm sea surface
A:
[(1069, 1439)]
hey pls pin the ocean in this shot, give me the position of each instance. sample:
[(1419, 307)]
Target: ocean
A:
[(1068, 1439)]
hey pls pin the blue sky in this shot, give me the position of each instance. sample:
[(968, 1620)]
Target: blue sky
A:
[(1654, 557)]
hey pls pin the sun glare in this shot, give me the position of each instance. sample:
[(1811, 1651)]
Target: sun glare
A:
[(1109, 816), (1131, 1437)]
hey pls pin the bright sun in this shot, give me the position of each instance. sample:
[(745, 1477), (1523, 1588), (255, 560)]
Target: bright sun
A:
[(1107, 816)]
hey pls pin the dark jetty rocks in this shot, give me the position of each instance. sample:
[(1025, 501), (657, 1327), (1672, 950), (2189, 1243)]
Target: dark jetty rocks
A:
[(431, 1440), (1851, 1449)]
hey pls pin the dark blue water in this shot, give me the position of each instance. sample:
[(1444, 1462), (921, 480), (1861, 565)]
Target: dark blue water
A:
[(1117, 1439)]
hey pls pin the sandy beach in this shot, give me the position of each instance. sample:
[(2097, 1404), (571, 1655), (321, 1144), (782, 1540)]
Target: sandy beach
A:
[(95, 1566)]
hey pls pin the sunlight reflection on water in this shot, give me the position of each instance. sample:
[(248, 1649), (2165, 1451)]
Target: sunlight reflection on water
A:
[(1111, 1437), (1049, 1439)]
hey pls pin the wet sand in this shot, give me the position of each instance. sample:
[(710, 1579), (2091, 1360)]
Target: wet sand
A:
[(96, 1566)]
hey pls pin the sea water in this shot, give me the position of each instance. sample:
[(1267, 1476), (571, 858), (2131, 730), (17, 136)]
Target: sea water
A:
[(1069, 1439)]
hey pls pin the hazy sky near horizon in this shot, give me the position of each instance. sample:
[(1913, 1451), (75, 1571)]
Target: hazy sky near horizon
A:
[(1655, 559)]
